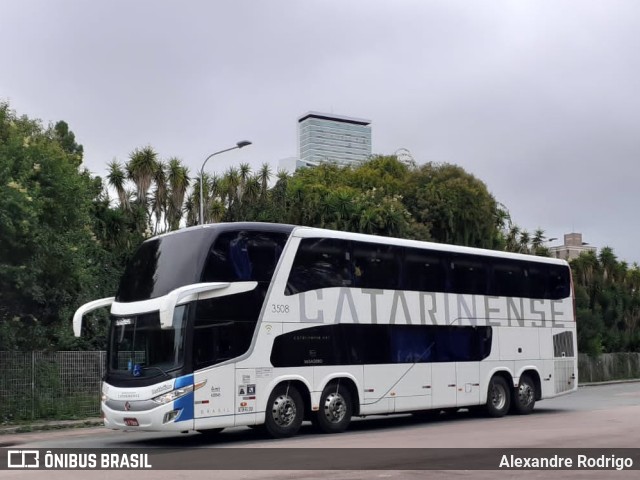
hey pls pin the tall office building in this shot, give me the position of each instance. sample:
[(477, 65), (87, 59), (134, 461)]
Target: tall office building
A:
[(326, 137)]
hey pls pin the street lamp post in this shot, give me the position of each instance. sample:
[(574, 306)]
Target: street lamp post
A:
[(240, 144)]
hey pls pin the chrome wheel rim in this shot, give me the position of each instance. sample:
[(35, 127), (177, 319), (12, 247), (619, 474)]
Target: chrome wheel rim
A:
[(335, 408), (525, 394), (284, 411), (498, 396)]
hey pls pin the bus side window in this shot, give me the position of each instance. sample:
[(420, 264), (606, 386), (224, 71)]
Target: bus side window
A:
[(468, 275), (423, 271), (558, 282), (537, 282), (320, 263), (239, 256), (377, 266), (508, 279), (264, 251)]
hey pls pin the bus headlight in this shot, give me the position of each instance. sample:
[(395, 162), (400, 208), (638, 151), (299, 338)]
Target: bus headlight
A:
[(172, 395), (177, 393)]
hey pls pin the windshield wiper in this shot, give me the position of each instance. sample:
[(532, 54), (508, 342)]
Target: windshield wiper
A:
[(159, 369)]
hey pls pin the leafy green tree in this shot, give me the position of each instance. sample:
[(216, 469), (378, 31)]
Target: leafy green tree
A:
[(607, 302), (456, 206), (50, 258)]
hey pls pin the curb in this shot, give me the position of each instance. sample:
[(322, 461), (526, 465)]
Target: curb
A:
[(608, 382), (20, 434), (50, 425)]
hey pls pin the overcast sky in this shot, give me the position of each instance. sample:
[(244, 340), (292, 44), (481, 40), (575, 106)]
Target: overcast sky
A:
[(539, 99)]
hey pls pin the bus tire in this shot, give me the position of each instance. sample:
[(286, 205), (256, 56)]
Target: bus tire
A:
[(336, 409), (285, 411), (524, 396), (498, 397)]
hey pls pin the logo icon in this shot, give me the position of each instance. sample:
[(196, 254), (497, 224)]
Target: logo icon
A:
[(23, 459), (127, 406)]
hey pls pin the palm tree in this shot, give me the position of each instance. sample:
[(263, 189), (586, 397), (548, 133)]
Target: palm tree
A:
[(117, 179), (341, 203), (538, 246), (265, 176), (538, 239), (525, 240), (215, 187), (140, 169), (160, 195), (178, 180), (191, 208), (280, 190), (244, 173), (252, 190), (608, 260), (512, 243), (368, 221), (216, 211), (231, 180)]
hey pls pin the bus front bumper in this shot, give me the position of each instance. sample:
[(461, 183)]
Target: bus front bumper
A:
[(168, 417)]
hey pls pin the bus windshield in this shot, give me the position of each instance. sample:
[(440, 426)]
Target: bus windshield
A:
[(141, 348), (165, 263)]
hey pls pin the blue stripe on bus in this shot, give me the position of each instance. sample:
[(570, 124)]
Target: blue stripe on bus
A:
[(184, 381), (186, 404)]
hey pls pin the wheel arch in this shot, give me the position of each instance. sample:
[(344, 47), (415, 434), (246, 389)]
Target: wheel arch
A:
[(350, 383), (301, 384), (534, 374), (499, 371)]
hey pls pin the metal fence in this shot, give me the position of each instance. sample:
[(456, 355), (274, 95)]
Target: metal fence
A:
[(56, 385)]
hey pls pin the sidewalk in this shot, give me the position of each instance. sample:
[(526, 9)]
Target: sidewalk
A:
[(17, 434)]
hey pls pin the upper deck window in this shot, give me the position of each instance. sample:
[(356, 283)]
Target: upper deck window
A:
[(165, 263), (244, 256)]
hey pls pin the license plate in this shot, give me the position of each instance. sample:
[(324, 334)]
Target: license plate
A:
[(131, 422)]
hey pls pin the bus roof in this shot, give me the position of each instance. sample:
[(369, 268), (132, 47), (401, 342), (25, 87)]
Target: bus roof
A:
[(312, 232), (228, 226)]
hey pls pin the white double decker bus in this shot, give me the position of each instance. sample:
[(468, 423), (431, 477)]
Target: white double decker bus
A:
[(249, 323)]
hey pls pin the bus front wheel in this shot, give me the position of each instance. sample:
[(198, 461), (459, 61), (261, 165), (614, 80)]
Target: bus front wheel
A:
[(285, 411), (335, 411), (524, 396), (498, 397)]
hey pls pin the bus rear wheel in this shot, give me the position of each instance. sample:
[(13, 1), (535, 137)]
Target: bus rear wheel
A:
[(285, 411), (524, 396), (335, 411), (498, 397)]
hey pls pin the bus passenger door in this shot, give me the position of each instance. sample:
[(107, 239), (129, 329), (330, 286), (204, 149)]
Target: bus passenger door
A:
[(215, 400)]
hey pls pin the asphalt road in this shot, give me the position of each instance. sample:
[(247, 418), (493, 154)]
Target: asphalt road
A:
[(594, 417)]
